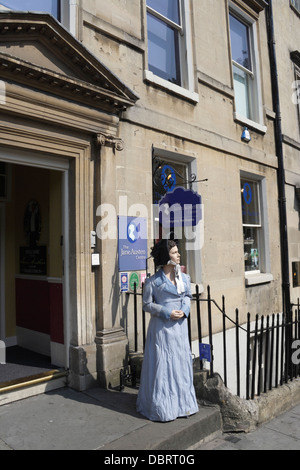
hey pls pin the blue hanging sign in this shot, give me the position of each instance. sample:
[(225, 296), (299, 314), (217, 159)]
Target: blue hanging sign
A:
[(205, 352), (180, 208)]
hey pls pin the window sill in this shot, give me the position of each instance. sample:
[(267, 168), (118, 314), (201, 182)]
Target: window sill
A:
[(247, 122), (171, 87), (252, 279)]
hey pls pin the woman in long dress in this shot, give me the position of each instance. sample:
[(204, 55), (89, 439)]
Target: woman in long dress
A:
[(166, 388)]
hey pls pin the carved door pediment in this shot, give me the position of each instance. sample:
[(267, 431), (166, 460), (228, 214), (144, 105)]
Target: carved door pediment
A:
[(37, 51)]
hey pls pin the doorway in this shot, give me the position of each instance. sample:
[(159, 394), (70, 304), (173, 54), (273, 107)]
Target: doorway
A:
[(33, 263)]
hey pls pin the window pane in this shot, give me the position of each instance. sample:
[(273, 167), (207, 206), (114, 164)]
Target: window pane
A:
[(241, 91), (240, 43), (250, 202), (167, 8), (163, 50), (50, 6), (251, 249)]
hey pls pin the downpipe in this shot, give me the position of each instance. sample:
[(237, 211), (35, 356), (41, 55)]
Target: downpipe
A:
[(281, 168), (286, 300)]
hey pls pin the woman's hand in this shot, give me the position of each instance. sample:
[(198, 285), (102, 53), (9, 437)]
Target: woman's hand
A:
[(176, 315)]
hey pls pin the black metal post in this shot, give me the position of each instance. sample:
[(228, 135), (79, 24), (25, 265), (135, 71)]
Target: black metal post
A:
[(254, 357), (272, 352), (237, 339), (224, 341), (277, 349), (248, 359), (135, 319), (210, 332), (199, 326), (260, 355), (266, 365), (281, 168), (282, 349)]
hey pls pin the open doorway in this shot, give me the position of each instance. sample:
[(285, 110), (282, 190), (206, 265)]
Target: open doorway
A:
[(34, 285)]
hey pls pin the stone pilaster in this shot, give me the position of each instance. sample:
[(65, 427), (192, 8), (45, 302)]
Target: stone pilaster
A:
[(83, 367), (112, 355), (111, 340)]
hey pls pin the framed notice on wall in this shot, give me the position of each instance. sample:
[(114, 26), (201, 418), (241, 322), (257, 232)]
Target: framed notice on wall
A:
[(33, 260)]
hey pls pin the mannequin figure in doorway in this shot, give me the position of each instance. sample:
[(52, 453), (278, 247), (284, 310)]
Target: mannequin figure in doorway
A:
[(166, 390)]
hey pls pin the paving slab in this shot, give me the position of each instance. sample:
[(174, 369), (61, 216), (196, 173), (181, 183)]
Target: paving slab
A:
[(281, 433), (98, 419)]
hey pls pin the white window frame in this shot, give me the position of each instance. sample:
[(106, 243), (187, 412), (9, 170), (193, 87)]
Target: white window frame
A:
[(69, 15), (295, 4), (256, 118), (263, 275), (187, 87)]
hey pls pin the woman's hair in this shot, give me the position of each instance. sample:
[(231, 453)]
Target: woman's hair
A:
[(160, 251)]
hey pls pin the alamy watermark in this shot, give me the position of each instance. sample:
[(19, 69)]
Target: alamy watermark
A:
[(182, 221), (296, 354)]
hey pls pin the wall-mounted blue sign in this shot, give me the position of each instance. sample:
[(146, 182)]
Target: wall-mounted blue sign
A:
[(132, 243), (180, 208)]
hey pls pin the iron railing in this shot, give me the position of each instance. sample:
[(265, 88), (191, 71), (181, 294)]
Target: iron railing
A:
[(262, 353)]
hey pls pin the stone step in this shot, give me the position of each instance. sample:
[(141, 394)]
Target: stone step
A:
[(181, 434)]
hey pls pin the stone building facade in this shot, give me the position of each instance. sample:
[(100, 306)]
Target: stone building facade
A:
[(97, 98)]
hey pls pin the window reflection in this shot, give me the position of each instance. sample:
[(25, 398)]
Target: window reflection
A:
[(167, 8), (48, 6), (164, 43), (251, 224), (162, 49)]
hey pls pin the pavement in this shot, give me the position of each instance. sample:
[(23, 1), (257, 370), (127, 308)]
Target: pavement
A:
[(106, 420), (97, 419), (281, 433)]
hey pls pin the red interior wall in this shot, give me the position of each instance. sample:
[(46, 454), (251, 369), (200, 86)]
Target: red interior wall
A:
[(39, 307)]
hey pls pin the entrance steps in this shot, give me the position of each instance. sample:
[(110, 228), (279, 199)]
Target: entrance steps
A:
[(100, 419), (11, 392), (181, 434)]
